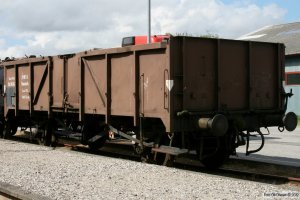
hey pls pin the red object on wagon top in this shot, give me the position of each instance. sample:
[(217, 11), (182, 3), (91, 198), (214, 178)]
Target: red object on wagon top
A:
[(135, 40)]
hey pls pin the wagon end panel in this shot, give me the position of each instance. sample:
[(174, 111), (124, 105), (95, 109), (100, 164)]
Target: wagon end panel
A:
[(230, 76), (233, 75), (94, 84), (199, 62), (215, 75), (265, 76)]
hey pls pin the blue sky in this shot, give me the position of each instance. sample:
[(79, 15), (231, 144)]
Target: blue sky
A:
[(51, 27)]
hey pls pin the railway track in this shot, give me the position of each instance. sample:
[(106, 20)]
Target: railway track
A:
[(235, 168), (285, 176), (4, 196)]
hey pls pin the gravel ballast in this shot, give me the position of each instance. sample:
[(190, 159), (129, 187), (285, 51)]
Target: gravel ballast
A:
[(59, 174)]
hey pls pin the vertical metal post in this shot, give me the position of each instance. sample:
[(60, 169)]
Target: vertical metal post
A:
[(16, 90), (108, 88), (82, 90), (217, 76), (50, 87), (137, 88), (149, 21), (31, 93), (249, 72), (65, 77)]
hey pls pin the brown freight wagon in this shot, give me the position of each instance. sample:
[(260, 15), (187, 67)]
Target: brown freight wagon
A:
[(185, 94)]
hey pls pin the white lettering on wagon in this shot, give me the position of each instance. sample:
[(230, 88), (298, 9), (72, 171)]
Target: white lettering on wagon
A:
[(11, 84), (24, 87), (11, 81), (24, 83)]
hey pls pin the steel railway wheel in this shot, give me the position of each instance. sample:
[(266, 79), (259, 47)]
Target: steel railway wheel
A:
[(2, 126), (94, 134), (94, 146), (214, 152), (10, 128), (216, 160), (47, 136)]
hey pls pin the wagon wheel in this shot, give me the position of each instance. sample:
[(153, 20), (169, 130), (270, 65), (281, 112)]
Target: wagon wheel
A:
[(40, 137), (95, 137), (145, 155), (98, 144), (47, 136), (214, 159), (1, 128), (10, 129)]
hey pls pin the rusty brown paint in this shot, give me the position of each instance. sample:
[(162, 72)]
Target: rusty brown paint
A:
[(199, 75)]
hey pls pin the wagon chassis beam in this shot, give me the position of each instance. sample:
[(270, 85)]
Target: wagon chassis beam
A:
[(118, 132)]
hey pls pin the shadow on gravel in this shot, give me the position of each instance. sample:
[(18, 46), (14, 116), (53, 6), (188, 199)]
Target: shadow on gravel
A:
[(294, 162), (235, 168), (248, 170), (123, 152)]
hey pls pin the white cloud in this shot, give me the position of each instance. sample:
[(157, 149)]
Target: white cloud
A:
[(227, 21), (2, 42), (53, 26), (13, 51), (41, 39)]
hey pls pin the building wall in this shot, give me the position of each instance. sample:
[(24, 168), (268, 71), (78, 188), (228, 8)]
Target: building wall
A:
[(292, 81)]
